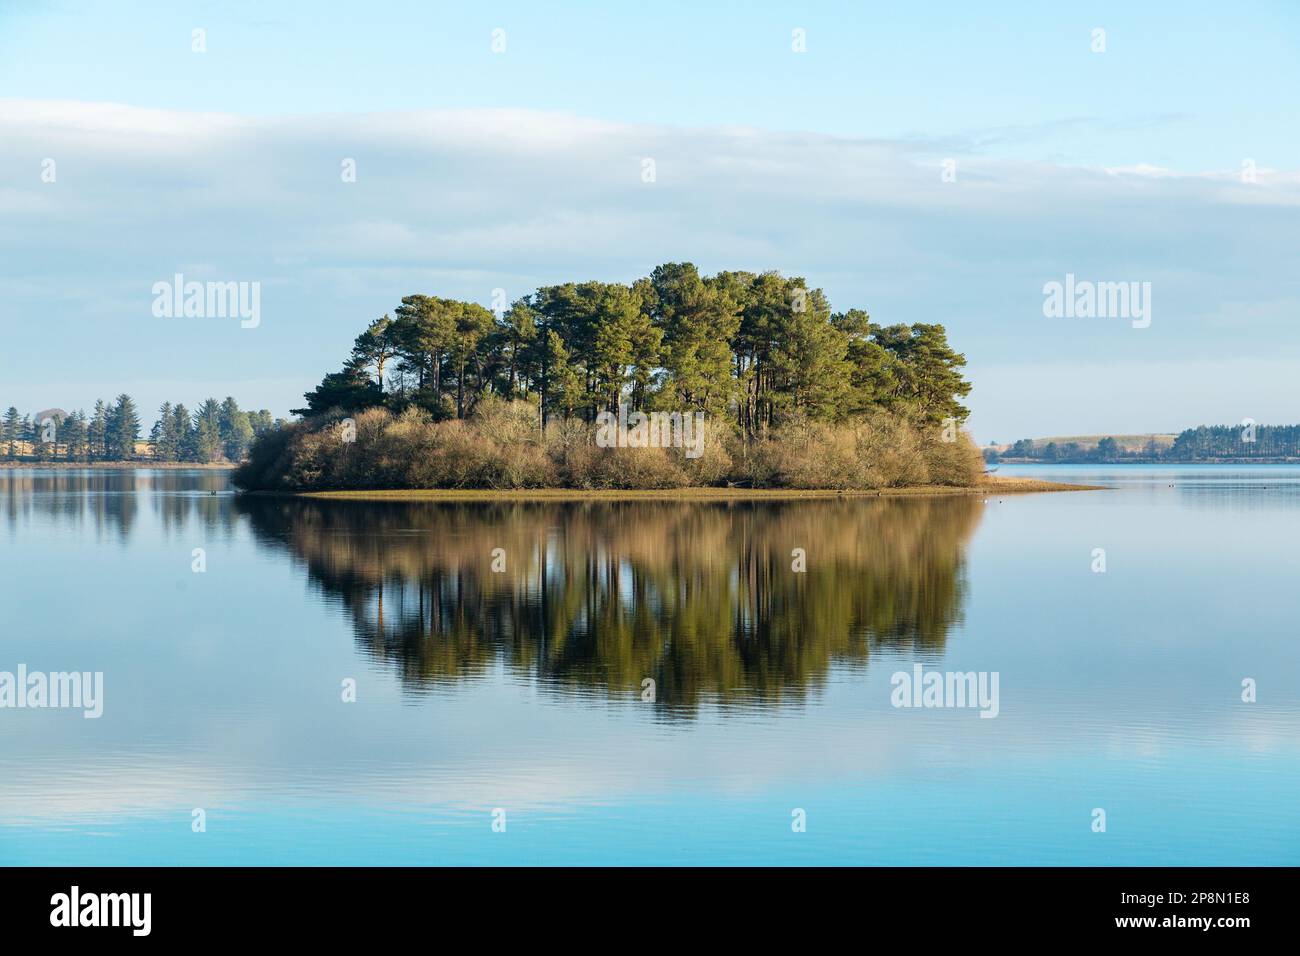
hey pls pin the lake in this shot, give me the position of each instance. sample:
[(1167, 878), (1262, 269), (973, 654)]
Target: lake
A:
[(342, 682)]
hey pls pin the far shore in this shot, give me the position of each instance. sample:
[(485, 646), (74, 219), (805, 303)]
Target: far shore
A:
[(992, 485)]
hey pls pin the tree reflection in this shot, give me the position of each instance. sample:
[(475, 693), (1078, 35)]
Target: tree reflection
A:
[(110, 500), (598, 596)]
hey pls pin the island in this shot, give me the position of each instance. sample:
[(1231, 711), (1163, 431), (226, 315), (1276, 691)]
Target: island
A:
[(732, 384)]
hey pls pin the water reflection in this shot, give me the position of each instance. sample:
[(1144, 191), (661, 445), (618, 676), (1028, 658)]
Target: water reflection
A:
[(595, 597), (109, 500), (480, 690)]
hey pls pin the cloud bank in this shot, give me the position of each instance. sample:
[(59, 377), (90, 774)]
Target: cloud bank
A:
[(459, 202)]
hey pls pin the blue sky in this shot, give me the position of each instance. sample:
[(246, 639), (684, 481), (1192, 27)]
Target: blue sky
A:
[(479, 170)]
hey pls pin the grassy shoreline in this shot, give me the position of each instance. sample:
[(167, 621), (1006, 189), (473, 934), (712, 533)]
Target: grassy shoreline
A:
[(990, 486)]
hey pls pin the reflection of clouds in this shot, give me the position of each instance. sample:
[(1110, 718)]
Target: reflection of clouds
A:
[(610, 762), (1237, 488), (146, 785), (1260, 493), (40, 789)]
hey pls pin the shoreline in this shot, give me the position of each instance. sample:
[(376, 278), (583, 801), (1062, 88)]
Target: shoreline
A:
[(993, 485)]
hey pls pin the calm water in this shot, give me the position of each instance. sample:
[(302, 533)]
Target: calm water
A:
[(523, 689)]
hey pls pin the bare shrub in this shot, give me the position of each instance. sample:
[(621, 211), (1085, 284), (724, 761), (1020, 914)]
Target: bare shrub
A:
[(501, 446), (581, 463), (715, 464), (958, 463), (812, 455)]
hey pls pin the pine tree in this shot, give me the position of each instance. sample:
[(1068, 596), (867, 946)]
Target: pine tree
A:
[(73, 433), (473, 324), (871, 382), (262, 421), (376, 346), (122, 429), (9, 430), (564, 390), (618, 314), (518, 339), (809, 364), (185, 435), (207, 429), (99, 431), (163, 436), (350, 390), (698, 320), (926, 370), (236, 431)]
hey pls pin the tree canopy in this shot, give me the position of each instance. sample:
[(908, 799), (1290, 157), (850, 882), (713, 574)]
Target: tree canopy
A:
[(755, 348)]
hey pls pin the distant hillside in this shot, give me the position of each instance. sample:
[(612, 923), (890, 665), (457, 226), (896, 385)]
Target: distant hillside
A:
[(1130, 443), (1245, 442)]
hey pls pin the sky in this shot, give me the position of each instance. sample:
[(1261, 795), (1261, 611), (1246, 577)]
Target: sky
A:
[(928, 163)]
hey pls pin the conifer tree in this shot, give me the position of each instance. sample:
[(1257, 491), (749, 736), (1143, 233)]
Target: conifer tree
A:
[(207, 431), (99, 431), (10, 429), (122, 429)]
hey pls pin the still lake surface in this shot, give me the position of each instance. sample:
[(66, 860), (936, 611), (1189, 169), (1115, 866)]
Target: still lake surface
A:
[(522, 690)]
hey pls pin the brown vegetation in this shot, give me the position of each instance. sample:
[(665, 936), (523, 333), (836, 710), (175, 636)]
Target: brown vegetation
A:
[(502, 447)]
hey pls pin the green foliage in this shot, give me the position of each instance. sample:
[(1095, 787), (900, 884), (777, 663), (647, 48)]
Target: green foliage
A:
[(235, 430), (925, 372), (562, 387), (756, 348), (517, 345), (349, 390), (121, 429), (376, 347), (99, 431), (1236, 442), (698, 321), (11, 431), (793, 393), (73, 435)]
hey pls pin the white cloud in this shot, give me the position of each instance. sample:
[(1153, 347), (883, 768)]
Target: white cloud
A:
[(477, 199)]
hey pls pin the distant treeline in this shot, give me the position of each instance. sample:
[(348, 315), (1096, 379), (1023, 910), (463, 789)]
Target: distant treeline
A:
[(445, 393), (215, 430), (1203, 443)]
